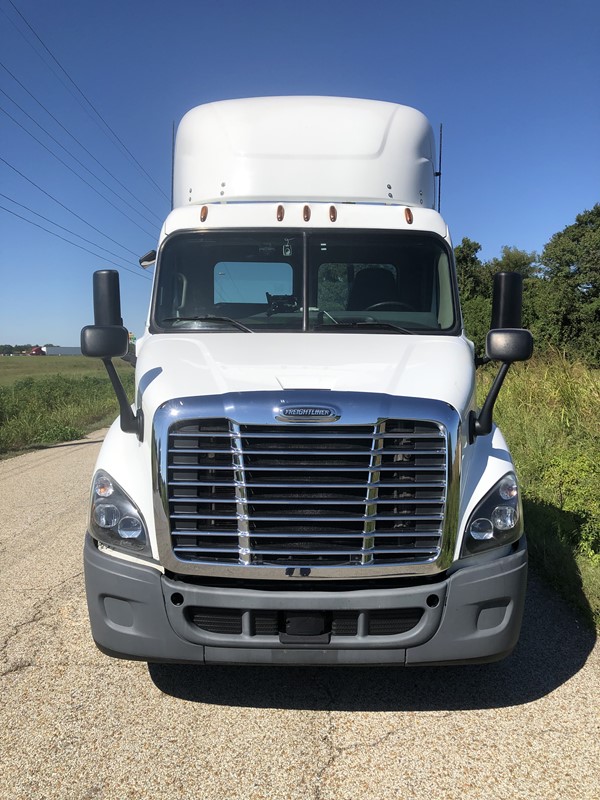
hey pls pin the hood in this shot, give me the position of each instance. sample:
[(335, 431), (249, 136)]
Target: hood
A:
[(177, 365)]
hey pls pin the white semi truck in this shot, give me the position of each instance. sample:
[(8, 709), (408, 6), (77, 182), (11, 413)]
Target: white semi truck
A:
[(304, 476)]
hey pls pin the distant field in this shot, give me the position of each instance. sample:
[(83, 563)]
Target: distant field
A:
[(15, 368)]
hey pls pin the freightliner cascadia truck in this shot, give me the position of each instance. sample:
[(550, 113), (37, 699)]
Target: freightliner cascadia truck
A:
[(304, 475)]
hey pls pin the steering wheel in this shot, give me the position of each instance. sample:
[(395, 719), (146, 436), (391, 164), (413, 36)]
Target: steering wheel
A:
[(390, 305)]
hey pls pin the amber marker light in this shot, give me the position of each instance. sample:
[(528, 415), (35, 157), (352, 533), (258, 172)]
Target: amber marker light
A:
[(408, 215), (332, 213), (280, 213), (306, 213), (203, 213)]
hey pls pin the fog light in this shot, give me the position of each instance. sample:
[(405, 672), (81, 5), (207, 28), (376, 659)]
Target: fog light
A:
[(106, 515), (504, 518), (481, 529), (129, 528)]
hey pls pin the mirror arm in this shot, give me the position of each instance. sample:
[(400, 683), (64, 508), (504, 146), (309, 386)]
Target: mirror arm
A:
[(480, 361), (482, 425), (130, 422)]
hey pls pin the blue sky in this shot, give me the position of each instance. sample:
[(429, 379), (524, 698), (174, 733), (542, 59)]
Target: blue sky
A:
[(516, 85)]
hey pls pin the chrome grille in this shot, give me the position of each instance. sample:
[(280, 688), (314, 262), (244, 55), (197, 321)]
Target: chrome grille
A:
[(306, 495)]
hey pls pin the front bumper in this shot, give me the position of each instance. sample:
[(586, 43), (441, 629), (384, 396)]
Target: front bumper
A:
[(473, 615)]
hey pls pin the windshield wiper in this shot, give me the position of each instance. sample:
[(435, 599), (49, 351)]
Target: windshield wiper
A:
[(373, 325), (210, 318)]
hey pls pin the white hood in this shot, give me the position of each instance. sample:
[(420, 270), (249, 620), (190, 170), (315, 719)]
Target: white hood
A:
[(190, 365)]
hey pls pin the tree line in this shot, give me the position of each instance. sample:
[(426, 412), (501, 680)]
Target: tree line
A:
[(12, 349), (561, 289)]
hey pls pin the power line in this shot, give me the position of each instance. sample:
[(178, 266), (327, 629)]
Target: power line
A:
[(89, 224), (62, 227), (52, 233), (64, 163), (81, 164), (91, 105), (74, 138), (56, 74)]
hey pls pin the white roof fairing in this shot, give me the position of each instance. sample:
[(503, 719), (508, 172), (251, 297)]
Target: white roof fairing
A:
[(320, 149)]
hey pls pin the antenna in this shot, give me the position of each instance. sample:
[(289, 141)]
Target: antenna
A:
[(172, 162), (438, 174)]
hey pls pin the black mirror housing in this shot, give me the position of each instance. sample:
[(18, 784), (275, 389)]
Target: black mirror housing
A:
[(507, 300), (107, 298), (509, 345), (506, 345), (104, 341)]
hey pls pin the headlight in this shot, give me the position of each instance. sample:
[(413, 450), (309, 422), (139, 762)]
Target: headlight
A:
[(115, 519), (497, 519)]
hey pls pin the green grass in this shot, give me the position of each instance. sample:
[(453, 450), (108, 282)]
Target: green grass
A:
[(549, 412), (55, 399), (14, 368)]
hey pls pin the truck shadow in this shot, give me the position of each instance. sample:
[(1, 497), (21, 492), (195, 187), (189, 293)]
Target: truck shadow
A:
[(553, 647)]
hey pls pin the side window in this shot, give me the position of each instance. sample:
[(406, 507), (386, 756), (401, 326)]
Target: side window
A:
[(446, 308), (249, 282)]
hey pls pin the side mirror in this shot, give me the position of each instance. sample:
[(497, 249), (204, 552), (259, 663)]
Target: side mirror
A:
[(506, 345), (148, 260), (107, 298), (506, 342), (509, 345), (107, 338), (104, 341), (507, 300)]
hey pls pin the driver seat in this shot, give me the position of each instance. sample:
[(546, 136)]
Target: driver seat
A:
[(370, 286)]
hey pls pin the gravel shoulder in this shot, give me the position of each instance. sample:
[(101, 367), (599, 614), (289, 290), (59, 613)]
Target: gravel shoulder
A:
[(76, 724)]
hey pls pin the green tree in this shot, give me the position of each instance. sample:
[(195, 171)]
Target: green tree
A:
[(474, 285), (515, 260), (568, 308), (470, 271)]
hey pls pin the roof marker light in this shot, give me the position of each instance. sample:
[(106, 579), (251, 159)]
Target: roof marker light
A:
[(203, 213), (332, 213), (409, 215), (280, 213), (306, 213)]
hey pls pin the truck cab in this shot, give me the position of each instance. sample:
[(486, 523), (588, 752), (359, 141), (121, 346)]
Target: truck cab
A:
[(304, 476)]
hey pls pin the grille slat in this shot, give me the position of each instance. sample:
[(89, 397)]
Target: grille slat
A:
[(311, 484), (339, 468), (295, 433), (312, 501), (297, 517), (308, 535), (313, 552), (295, 495), (313, 452)]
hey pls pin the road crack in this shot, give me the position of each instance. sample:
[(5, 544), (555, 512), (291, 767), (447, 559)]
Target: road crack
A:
[(40, 611)]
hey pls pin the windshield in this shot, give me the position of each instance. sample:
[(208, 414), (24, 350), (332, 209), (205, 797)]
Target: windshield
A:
[(305, 281)]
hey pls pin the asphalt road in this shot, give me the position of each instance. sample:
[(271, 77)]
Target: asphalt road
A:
[(76, 724)]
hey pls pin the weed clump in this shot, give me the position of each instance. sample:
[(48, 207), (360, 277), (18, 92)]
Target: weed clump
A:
[(549, 410), (58, 408)]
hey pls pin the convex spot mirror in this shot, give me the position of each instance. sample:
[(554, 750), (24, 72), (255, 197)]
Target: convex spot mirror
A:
[(509, 345), (104, 341)]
